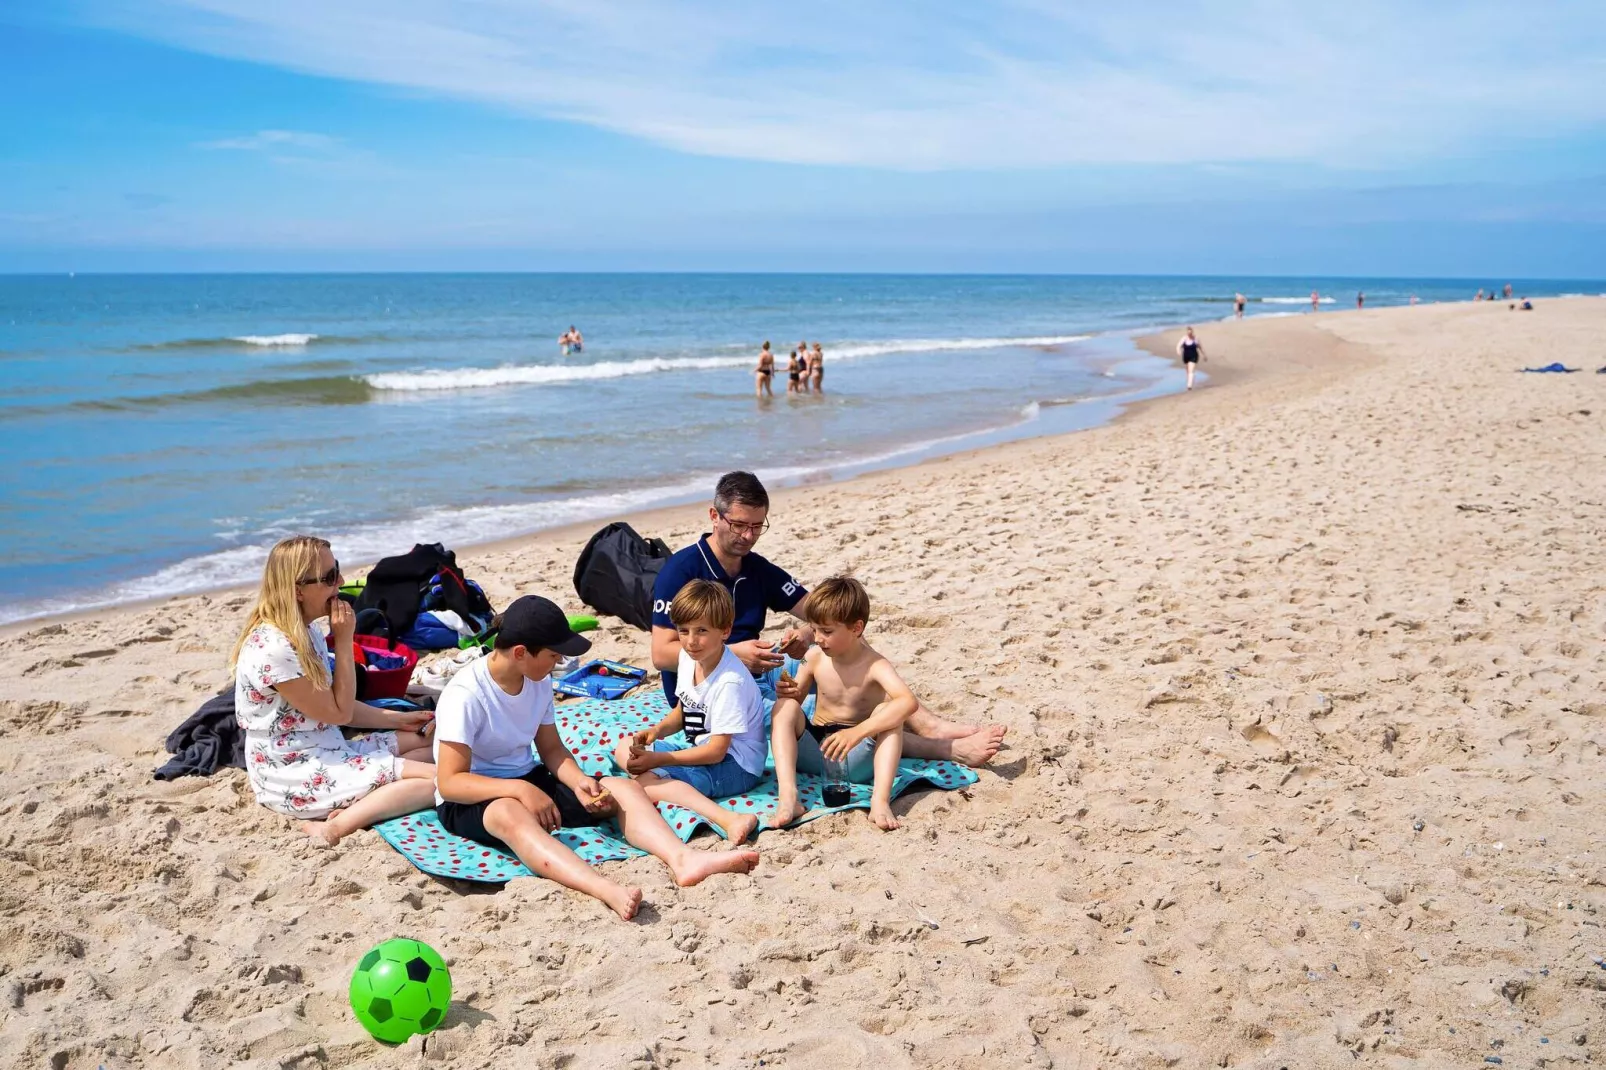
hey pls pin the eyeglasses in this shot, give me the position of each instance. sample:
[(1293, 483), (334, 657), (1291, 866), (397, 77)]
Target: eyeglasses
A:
[(328, 579), (755, 530)]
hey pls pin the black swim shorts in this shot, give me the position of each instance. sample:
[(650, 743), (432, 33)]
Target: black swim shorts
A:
[(468, 819)]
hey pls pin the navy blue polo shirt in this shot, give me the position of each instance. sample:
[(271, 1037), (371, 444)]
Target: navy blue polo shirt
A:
[(760, 587)]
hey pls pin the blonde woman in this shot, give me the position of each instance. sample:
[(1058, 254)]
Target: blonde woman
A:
[(291, 707)]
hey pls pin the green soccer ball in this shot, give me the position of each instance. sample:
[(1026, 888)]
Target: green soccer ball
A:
[(400, 988)]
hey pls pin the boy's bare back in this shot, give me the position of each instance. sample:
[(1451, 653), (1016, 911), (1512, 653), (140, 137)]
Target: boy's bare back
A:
[(848, 694)]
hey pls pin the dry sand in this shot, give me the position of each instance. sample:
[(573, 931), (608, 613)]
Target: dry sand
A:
[(1304, 680)]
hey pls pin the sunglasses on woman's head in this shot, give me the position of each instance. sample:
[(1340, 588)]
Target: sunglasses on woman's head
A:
[(328, 579)]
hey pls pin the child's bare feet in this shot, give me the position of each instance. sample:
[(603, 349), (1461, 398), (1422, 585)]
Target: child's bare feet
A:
[(697, 866), (785, 814), (882, 817), (979, 747), (323, 833), (740, 828), (623, 901)]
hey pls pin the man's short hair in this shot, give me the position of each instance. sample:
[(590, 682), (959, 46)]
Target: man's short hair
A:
[(703, 600), (739, 488), (838, 600)]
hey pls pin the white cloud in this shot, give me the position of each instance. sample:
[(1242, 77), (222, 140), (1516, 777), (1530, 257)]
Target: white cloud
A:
[(936, 85), (276, 141)]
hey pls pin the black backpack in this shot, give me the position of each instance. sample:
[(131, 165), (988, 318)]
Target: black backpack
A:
[(396, 588), (616, 572)]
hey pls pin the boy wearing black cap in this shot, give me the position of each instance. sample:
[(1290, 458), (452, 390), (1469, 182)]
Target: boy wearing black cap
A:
[(490, 789)]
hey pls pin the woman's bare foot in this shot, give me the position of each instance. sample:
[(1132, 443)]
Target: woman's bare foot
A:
[(979, 747), (882, 817), (623, 901), (697, 866), (740, 828), (323, 833), (785, 814)]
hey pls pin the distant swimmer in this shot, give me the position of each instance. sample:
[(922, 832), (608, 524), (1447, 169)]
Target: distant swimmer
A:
[(764, 373), (1191, 353), (1315, 301), (1238, 306), (817, 368), (571, 340), (1360, 300)]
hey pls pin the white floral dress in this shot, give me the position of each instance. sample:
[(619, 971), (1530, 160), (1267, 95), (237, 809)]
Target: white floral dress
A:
[(298, 766)]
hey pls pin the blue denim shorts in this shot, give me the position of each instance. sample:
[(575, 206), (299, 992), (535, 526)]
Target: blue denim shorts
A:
[(721, 780)]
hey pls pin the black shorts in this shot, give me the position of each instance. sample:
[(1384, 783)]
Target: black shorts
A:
[(468, 819), (1191, 360)]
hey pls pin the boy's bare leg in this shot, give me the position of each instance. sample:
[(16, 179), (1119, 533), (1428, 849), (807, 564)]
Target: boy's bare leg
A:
[(515, 826), (383, 803), (413, 769), (645, 827), (736, 827), (888, 749), (787, 726)]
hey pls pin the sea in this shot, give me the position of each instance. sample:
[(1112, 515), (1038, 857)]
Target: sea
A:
[(159, 432)]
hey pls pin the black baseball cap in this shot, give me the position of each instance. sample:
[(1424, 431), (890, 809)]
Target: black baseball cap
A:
[(534, 622)]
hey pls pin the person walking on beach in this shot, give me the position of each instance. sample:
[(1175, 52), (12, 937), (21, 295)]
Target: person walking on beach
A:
[(1191, 352), (764, 374), (1238, 306), (817, 368), (1508, 291), (1315, 301), (1360, 300), (739, 517)]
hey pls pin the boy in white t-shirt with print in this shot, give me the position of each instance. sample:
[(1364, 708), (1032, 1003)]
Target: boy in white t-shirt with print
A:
[(490, 788), (719, 707)]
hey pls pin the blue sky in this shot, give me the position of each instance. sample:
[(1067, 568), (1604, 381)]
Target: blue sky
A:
[(1194, 136)]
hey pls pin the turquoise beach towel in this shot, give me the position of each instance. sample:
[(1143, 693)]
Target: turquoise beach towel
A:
[(591, 729)]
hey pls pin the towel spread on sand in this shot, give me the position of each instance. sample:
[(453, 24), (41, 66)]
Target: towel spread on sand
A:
[(1555, 367), (592, 729)]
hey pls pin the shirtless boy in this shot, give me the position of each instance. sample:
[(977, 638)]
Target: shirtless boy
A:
[(862, 705)]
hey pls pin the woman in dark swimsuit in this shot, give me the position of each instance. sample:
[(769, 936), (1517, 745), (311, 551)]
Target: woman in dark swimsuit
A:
[(1191, 353), (764, 373)]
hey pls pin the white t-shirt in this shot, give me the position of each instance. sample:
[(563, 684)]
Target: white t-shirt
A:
[(727, 703), (496, 726)]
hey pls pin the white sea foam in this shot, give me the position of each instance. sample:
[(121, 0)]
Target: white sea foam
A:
[(546, 374), (1294, 300), (275, 339)]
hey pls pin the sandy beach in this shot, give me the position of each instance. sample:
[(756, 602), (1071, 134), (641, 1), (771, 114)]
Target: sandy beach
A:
[(1306, 695)]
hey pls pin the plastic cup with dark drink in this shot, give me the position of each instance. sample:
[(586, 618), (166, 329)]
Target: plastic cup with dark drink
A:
[(836, 791)]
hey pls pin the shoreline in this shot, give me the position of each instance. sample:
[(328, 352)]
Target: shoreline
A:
[(894, 458)]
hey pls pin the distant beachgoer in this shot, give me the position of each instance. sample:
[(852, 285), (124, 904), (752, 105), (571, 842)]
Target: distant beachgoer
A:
[(1191, 353), (1508, 291), (817, 368), (1527, 305), (1238, 306), (1360, 300), (292, 707), (764, 373), (1480, 294), (1413, 299), (794, 369), (1315, 301), (803, 366), (571, 340)]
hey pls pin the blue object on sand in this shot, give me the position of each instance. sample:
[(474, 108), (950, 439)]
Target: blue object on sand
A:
[(600, 679), (1558, 366), (591, 730)]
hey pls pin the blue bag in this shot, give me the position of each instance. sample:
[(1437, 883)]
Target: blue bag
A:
[(600, 679)]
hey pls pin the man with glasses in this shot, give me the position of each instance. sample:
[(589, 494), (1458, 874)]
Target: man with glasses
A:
[(739, 516)]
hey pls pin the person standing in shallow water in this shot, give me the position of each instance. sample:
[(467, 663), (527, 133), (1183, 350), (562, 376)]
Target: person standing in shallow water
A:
[(817, 368), (1191, 353), (1238, 306), (764, 374)]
